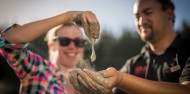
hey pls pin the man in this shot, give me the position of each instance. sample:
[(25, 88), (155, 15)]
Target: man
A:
[(163, 61)]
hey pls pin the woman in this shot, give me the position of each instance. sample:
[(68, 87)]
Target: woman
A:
[(37, 75)]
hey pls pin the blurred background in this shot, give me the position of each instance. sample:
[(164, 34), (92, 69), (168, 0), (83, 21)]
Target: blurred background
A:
[(118, 41)]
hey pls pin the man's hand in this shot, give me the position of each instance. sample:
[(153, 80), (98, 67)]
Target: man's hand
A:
[(73, 77), (100, 82)]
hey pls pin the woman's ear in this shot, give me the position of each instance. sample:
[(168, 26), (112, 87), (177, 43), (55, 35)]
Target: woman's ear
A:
[(52, 46)]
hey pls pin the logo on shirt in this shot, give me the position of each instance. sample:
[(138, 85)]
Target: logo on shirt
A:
[(140, 69)]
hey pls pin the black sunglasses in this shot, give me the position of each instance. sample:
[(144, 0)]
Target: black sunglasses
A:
[(64, 41)]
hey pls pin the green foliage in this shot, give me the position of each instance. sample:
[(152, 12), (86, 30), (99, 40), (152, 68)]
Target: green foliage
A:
[(112, 52), (185, 31), (104, 50), (39, 46)]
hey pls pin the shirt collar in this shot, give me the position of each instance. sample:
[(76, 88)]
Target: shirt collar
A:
[(175, 45)]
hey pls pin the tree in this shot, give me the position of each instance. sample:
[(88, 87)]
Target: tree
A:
[(185, 29), (112, 52)]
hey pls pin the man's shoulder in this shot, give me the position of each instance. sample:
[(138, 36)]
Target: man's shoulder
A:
[(138, 57), (181, 43), (185, 44), (133, 61), (186, 40)]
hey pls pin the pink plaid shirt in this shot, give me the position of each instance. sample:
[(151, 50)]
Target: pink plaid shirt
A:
[(37, 75)]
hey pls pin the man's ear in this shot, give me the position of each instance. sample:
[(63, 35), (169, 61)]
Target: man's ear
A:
[(170, 14)]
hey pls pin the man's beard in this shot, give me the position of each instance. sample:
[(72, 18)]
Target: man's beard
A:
[(148, 38)]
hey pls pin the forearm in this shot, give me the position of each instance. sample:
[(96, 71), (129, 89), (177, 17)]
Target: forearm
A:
[(136, 85), (30, 31)]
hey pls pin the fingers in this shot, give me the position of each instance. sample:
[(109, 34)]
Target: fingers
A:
[(109, 72), (106, 78), (94, 25), (78, 19), (101, 83), (94, 29), (87, 82), (92, 85), (73, 79), (90, 24), (90, 16), (90, 80), (95, 76)]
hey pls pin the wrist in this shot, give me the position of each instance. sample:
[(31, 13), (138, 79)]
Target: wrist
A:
[(119, 78), (72, 15)]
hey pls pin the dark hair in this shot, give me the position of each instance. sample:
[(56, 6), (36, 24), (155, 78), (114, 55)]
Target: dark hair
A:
[(168, 4)]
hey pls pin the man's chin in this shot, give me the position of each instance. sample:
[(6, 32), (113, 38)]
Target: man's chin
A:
[(145, 38)]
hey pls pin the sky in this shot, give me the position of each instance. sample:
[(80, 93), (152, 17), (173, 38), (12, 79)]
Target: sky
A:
[(113, 15)]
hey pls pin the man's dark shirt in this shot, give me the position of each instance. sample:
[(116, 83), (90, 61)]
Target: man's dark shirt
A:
[(171, 66)]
